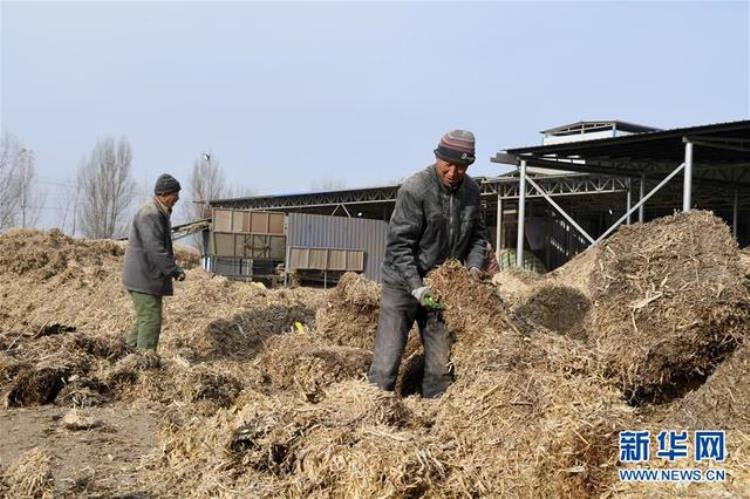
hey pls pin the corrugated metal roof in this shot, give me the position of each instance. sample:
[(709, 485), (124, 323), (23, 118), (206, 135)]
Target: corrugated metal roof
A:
[(620, 125), (736, 128)]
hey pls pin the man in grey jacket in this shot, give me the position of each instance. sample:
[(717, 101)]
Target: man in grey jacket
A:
[(437, 217), (149, 262)]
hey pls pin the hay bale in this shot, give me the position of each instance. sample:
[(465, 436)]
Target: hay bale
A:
[(300, 362), (669, 302), (350, 317), (30, 476)]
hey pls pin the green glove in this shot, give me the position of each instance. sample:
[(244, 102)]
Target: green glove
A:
[(178, 273), (424, 296), (431, 302)]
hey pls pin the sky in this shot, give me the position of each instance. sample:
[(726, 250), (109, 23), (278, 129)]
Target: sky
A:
[(287, 96)]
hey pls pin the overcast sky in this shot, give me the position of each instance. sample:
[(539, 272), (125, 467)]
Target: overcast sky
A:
[(289, 94)]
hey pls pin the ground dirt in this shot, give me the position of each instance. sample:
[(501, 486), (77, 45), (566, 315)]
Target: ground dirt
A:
[(99, 462)]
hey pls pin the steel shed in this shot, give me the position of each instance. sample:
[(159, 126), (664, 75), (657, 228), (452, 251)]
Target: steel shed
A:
[(320, 231)]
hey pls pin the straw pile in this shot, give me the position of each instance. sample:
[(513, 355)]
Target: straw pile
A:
[(723, 401), (252, 407), (211, 318), (514, 284), (29, 477), (301, 362), (471, 307), (58, 368), (50, 278), (55, 282), (559, 308), (354, 442), (669, 303), (350, 316)]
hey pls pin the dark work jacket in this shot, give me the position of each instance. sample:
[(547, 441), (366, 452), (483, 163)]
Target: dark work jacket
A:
[(149, 258), (433, 223)]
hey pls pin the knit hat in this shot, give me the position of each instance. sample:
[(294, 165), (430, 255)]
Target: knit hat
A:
[(166, 183), (457, 147)]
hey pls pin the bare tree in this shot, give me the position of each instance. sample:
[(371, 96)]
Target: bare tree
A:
[(9, 199), (31, 198), (106, 189), (21, 202), (68, 214), (206, 183)]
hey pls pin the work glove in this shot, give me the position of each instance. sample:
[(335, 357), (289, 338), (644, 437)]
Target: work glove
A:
[(425, 298), (476, 273), (178, 273)]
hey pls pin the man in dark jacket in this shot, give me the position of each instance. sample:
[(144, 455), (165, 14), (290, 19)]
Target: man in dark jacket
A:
[(437, 217), (149, 262)]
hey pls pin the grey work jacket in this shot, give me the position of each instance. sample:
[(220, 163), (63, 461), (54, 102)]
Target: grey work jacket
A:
[(433, 223), (149, 258)]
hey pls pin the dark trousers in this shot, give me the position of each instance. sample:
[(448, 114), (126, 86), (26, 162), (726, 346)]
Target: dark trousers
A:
[(398, 311)]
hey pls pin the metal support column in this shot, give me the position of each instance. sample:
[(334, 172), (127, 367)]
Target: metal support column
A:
[(521, 212), (562, 212), (641, 193), (628, 201), (641, 202), (499, 227), (735, 212), (688, 185)]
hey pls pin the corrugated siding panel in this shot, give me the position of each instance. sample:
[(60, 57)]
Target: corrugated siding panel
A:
[(321, 231)]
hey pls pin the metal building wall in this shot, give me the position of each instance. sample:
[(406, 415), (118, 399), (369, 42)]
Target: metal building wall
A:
[(321, 231)]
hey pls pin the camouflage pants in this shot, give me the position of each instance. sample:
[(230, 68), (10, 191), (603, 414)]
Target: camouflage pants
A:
[(147, 327)]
